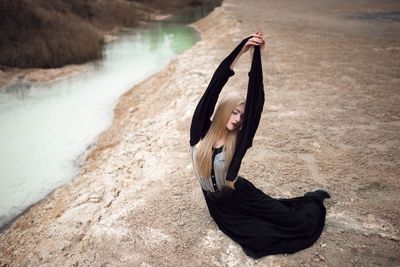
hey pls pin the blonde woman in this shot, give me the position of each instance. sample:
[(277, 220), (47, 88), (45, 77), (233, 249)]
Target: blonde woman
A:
[(260, 224)]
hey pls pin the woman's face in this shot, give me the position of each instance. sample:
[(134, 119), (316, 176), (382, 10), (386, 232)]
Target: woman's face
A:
[(236, 118)]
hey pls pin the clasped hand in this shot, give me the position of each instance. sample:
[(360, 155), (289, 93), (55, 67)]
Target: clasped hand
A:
[(256, 40)]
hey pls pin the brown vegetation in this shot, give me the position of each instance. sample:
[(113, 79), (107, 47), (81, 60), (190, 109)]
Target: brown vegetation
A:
[(48, 34)]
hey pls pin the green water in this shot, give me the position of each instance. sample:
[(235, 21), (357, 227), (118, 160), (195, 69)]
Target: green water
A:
[(45, 130)]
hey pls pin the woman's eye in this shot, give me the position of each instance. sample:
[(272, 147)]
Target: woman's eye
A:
[(234, 112)]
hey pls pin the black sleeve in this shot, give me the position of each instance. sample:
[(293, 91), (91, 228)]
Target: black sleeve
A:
[(254, 106), (201, 119)]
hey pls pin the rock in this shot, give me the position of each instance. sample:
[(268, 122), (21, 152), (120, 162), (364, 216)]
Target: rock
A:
[(94, 199)]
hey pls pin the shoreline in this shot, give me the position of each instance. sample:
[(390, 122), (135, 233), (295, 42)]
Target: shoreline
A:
[(49, 76), (77, 36), (329, 119), (11, 76)]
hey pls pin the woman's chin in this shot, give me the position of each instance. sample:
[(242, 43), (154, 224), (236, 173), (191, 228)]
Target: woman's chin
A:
[(231, 127)]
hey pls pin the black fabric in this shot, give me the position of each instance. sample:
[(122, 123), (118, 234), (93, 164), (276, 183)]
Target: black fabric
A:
[(254, 105), (252, 114), (263, 225), (216, 151), (201, 120)]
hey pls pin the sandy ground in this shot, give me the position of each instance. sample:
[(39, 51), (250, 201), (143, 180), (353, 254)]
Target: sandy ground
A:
[(331, 119)]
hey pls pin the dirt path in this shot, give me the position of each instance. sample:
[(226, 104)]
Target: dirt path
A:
[(331, 119)]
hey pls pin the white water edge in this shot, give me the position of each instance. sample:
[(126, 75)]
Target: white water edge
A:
[(45, 129)]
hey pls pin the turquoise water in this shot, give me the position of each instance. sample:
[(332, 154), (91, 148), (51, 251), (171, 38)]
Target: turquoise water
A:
[(45, 130)]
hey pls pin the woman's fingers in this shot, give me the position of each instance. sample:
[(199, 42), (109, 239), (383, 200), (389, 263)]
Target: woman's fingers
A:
[(260, 41), (255, 41), (258, 34), (257, 38)]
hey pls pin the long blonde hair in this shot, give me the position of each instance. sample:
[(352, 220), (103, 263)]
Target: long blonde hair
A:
[(218, 129)]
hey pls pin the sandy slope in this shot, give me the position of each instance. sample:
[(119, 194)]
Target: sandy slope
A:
[(331, 119)]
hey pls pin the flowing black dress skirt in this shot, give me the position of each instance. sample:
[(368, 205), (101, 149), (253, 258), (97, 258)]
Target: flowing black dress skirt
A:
[(263, 225)]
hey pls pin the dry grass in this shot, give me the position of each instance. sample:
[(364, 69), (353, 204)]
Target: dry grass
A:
[(48, 34)]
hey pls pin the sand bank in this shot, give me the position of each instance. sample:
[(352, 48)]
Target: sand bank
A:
[(331, 119)]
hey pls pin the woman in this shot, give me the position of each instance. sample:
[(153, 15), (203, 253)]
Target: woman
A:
[(260, 224)]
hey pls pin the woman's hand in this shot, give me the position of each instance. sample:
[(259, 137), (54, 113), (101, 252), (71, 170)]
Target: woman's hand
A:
[(230, 184), (256, 40)]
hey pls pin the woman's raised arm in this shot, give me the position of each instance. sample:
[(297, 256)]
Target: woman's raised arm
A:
[(254, 105), (201, 119)]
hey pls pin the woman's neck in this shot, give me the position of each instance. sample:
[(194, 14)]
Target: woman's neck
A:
[(220, 141)]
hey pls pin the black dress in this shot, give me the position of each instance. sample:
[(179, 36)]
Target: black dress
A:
[(262, 225)]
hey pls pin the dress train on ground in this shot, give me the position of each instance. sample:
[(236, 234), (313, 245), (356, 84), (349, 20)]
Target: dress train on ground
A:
[(263, 225)]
